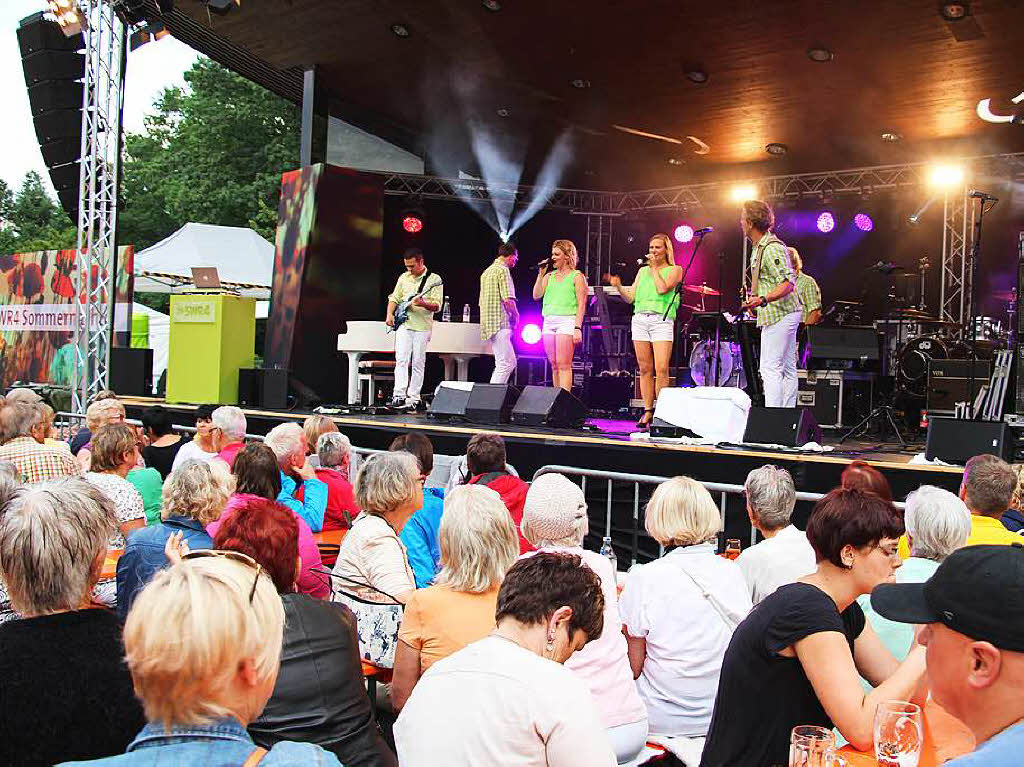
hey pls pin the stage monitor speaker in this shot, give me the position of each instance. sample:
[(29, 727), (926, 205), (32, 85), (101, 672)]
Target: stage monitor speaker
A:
[(789, 426), (491, 403), (956, 440), (847, 343), (131, 371), (249, 387), (548, 406), (450, 400), (258, 387)]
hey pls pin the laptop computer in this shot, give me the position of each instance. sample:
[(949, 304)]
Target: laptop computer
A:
[(206, 278)]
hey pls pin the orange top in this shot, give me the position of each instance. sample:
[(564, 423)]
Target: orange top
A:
[(439, 621)]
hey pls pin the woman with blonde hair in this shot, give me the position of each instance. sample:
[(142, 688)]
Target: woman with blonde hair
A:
[(564, 291), (314, 427), (654, 312), (679, 611), (478, 544), (97, 415)]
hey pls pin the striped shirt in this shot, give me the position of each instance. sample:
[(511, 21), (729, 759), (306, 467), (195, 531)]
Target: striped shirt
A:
[(809, 293), (771, 266), (495, 286)]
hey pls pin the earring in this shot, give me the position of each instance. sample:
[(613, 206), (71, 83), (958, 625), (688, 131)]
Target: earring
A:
[(549, 649)]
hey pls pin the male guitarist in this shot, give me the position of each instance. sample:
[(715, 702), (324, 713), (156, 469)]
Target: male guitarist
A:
[(413, 335)]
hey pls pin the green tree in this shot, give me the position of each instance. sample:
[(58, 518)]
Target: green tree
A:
[(212, 153), (32, 220)]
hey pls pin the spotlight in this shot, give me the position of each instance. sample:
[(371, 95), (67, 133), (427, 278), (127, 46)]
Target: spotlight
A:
[(863, 222), (400, 30), (698, 76), (743, 192), (147, 34), (776, 149), (946, 176), (220, 7), (826, 222), (68, 16), (891, 137), (683, 233), (530, 333), (492, 5), (580, 83), (675, 161), (819, 54), (503, 112), (412, 224), (954, 11)]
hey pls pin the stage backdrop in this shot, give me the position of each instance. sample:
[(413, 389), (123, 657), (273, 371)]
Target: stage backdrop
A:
[(37, 316)]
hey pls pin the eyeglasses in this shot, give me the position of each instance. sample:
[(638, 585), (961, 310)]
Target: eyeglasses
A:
[(235, 556), (893, 553)]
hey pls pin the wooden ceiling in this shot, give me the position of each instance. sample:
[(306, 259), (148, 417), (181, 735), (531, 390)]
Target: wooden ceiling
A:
[(898, 67)]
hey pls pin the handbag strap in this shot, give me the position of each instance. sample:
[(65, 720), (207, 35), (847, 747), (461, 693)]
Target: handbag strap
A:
[(712, 600), (354, 582), (255, 757)]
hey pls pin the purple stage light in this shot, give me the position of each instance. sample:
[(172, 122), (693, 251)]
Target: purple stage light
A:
[(530, 333), (683, 233), (863, 222), (826, 222)]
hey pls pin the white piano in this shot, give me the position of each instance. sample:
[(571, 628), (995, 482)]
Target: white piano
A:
[(455, 342)]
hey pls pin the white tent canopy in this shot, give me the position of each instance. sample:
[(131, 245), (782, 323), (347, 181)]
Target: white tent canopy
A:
[(244, 260), (159, 338)]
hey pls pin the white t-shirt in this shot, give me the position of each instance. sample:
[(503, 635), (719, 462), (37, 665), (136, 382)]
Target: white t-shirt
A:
[(191, 451), (495, 703), (776, 561), (686, 636)]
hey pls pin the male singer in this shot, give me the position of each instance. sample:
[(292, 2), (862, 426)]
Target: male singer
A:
[(498, 311), (778, 308)]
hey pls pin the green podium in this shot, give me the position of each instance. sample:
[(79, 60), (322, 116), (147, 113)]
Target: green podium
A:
[(212, 336)]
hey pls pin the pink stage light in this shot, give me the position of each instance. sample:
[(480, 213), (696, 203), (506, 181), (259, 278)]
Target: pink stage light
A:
[(530, 334), (863, 222), (683, 233), (826, 222), (412, 224)]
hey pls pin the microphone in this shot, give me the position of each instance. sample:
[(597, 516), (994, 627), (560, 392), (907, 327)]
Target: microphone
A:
[(705, 230), (637, 262), (979, 195), (540, 265)]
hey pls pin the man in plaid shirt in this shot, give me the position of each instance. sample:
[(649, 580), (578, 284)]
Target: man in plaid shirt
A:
[(23, 425), (779, 310), (498, 311)]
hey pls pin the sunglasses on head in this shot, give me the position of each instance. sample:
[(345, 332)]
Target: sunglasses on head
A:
[(235, 556)]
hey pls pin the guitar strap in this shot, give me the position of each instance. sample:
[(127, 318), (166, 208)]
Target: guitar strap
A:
[(423, 281)]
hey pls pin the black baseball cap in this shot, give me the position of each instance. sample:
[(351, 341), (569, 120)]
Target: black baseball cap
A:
[(977, 591)]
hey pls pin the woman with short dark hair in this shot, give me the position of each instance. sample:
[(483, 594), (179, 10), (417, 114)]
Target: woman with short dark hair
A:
[(799, 657), (201, 446), (507, 698), (164, 444)]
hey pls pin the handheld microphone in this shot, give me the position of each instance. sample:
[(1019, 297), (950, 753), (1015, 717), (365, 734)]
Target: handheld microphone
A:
[(979, 195), (540, 265), (705, 230), (637, 262)]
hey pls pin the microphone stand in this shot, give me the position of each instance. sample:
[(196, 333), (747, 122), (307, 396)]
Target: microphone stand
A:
[(682, 280)]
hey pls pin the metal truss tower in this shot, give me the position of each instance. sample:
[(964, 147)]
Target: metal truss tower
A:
[(95, 273), (955, 277)]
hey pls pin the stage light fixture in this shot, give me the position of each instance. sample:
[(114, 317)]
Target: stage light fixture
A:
[(776, 149), (400, 30), (491, 5), (68, 16), (891, 137), (954, 11), (220, 7), (826, 222), (743, 192), (683, 233), (412, 223), (147, 34), (580, 83), (530, 333), (675, 161), (946, 176), (863, 222), (698, 76), (820, 54), (503, 112)]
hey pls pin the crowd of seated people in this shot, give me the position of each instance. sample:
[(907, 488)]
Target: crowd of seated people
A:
[(507, 638)]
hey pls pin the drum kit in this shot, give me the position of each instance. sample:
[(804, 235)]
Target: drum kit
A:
[(716, 358)]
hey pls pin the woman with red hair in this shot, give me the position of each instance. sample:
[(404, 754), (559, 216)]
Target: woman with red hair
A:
[(860, 475)]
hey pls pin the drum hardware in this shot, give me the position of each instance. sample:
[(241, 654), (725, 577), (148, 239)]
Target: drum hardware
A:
[(726, 369)]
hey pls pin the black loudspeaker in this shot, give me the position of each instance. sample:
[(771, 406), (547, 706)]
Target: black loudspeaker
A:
[(449, 402), (789, 426), (131, 371), (848, 343), (491, 403), (949, 382), (249, 387), (258, 387), (955, 441), (548, 406)]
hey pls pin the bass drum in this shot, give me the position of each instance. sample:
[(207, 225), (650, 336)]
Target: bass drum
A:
[(913, 362), (728, 366)]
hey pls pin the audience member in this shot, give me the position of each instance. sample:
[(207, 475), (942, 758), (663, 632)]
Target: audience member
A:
[(420, 534), (202, 447), (164, 443), (478, 544), (319, 695), (507, 699), (1013, 519), (228, 432), (10, 482), (784, 555), (257, 478), (860, 475), (314, 427), (973, 610), (763, 694), (987, 488), (31, 397), (288, 442), (372, 562), (679, 611), (555, 520), (21, 425), (193, 497), (82, 436), (334, 451), (97, 415), (66, 691), (937, 524), (485, 462), (148, 482), (115, 451), (203, 643)]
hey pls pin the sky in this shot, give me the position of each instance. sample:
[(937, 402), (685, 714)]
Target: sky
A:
[(151, 68)]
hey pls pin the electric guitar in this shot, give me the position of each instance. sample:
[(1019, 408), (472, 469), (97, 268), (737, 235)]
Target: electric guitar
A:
[(402, 310)]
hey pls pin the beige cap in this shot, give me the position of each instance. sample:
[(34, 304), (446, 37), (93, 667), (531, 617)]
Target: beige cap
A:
[(553, 509)]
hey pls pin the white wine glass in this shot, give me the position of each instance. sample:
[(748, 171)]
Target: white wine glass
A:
[(899, 734)]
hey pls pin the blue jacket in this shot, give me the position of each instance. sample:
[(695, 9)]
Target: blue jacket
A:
[(420, 537), (214, 745), (144, 555), (314, 506)]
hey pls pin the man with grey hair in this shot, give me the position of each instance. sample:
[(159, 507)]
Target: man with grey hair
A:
[(335, 451), (784, 555), (987, 488), (24, 426), (288, 442), (228, 432)]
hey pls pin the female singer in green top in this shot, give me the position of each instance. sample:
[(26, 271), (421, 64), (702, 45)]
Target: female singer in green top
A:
[(652, 295), (564, 291)]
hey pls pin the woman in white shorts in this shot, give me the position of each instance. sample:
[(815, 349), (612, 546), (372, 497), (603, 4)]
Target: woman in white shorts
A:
[(652, 295), (564, 291)]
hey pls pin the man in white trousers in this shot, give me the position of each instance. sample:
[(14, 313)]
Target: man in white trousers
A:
[(413, 335), (499, 314), (778, 307)]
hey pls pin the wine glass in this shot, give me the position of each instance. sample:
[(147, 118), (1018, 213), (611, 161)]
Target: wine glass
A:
[(812, 746), (899, 734)]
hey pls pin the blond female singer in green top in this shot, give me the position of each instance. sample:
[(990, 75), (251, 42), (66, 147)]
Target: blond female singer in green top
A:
[(564, 291), (652, 295)]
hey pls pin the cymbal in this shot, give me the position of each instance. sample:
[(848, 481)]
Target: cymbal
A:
[(704, 290)]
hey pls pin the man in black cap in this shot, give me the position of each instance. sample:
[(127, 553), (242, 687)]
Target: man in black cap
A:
[(972, 609)]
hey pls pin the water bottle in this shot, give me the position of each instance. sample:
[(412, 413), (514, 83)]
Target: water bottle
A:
[(465, 313), (608, 551), (446, 311)]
